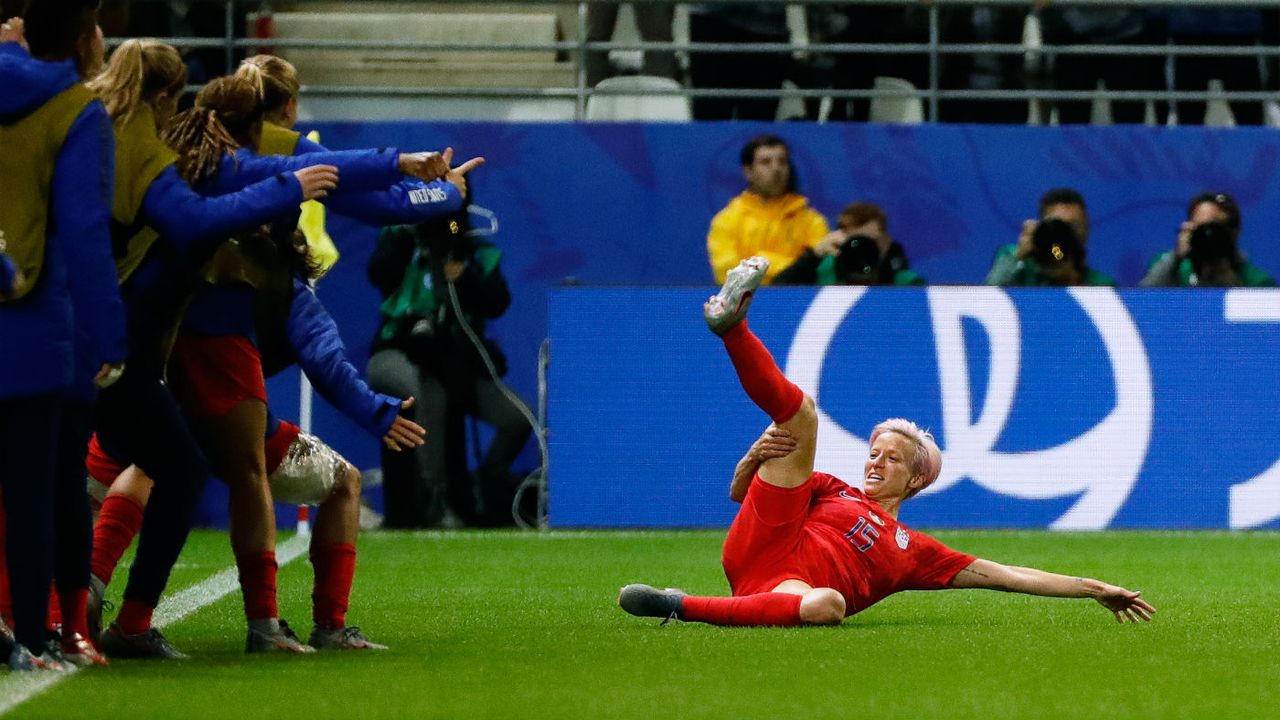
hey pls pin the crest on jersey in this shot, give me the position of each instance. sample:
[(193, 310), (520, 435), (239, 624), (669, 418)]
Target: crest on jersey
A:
[(903, 538)]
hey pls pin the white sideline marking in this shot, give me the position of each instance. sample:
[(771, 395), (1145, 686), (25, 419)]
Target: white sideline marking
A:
[(18, 688)]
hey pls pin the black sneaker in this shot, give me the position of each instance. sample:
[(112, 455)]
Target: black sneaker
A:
[(97, 603), (150, 644), (649, 601), (282, 639), (347, 638)]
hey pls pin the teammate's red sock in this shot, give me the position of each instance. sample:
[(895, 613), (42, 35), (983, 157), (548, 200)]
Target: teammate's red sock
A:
[(54, 616), (134, 617), (765, 384), (118, 523), (6, 604), (771, 608), (258, 583), (335, 569), (75, 611)]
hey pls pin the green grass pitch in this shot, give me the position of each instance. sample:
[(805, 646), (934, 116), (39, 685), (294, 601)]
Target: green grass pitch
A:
[(511, 625)]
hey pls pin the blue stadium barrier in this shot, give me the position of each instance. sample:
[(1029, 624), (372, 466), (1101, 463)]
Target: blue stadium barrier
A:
[(1066, 409)]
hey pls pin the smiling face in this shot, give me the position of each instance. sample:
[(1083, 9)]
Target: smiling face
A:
[(888, 475)]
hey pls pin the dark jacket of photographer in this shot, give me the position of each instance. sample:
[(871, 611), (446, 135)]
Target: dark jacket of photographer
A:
[(417, 312), (1168, 270), (812, 269), (1009, 270)]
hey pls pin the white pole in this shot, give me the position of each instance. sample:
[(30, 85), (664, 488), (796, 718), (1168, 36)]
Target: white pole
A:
[(304, 421)]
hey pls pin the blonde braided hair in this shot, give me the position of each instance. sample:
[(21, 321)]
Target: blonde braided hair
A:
[(227, 114)]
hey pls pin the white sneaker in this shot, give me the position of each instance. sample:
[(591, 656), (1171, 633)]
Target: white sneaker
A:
[(728, 307)]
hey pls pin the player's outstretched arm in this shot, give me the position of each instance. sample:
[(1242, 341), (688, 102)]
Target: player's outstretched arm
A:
[(776, 442), (1124, 604)]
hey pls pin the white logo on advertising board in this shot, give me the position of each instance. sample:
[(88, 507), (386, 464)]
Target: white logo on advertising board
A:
[(1101, 465)]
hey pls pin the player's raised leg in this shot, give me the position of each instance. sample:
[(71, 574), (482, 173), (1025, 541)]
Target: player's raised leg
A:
[(761, 378)]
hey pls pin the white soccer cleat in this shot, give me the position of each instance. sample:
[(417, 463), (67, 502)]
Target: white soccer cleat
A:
[(728, 307)]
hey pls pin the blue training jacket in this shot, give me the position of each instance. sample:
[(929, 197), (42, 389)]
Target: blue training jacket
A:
[(313, 335), (55, 338)]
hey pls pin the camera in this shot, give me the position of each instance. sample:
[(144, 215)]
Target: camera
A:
[(1056, 242), (1212, 242), (858, 262), (447, 237)]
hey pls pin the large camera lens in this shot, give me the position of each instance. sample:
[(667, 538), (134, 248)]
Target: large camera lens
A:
[(1055, 242), (859, 259), (1212, 241)]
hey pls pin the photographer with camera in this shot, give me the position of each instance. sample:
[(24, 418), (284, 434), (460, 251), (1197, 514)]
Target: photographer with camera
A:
[(440, 281), (859, 251), (1051, 250), (1206, 253)]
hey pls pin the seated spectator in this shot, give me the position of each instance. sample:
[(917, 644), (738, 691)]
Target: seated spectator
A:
[(859, 251), (1206, 253), (653, 20), (770, 218), (1051, 250), (743, 22), (424, 348)]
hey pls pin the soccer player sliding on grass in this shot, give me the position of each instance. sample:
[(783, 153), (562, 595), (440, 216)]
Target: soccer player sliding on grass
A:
[(807, 549)]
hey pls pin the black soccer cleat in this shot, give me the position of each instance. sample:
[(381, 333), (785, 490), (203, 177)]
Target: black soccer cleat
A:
[(648, 601), (150, 644)]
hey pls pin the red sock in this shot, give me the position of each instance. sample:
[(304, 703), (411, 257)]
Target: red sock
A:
[(258, 584), (765, 384), (75, 611), (134, 617), (335, 569), (118, 523), (53, 618), (6, 604), (771, 608)]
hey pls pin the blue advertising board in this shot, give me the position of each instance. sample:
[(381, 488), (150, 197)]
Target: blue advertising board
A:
[(1082, 408)]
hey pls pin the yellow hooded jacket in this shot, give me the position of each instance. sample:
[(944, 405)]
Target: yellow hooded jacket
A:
[(778, 229)]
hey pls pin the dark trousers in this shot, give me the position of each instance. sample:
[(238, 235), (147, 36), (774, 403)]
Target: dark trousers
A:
[(71, 503), (413, 480), (1237, 72), (139, 422), (734, 70), (653, 20), (28, 451), (1119, 72)]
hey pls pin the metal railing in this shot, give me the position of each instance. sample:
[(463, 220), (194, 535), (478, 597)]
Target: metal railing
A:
[(934, 49)]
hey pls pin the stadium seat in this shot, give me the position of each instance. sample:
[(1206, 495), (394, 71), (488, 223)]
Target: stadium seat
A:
[(400, 67), (1217, 113), (902, 107), (628, 98)]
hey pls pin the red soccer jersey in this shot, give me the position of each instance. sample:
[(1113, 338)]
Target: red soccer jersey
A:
[(842, 540)]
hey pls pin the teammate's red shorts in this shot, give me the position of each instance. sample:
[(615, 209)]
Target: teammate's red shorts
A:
[(762, 546), (101, 466), (211, 374), (278, 442)]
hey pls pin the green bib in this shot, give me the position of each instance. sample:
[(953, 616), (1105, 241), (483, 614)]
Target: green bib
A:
[(28, 152), (140, 158), (277, 140)]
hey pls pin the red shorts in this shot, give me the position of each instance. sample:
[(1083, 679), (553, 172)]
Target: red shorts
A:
[(101, 466), (278, 442), (762, 546), (211, 374)]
